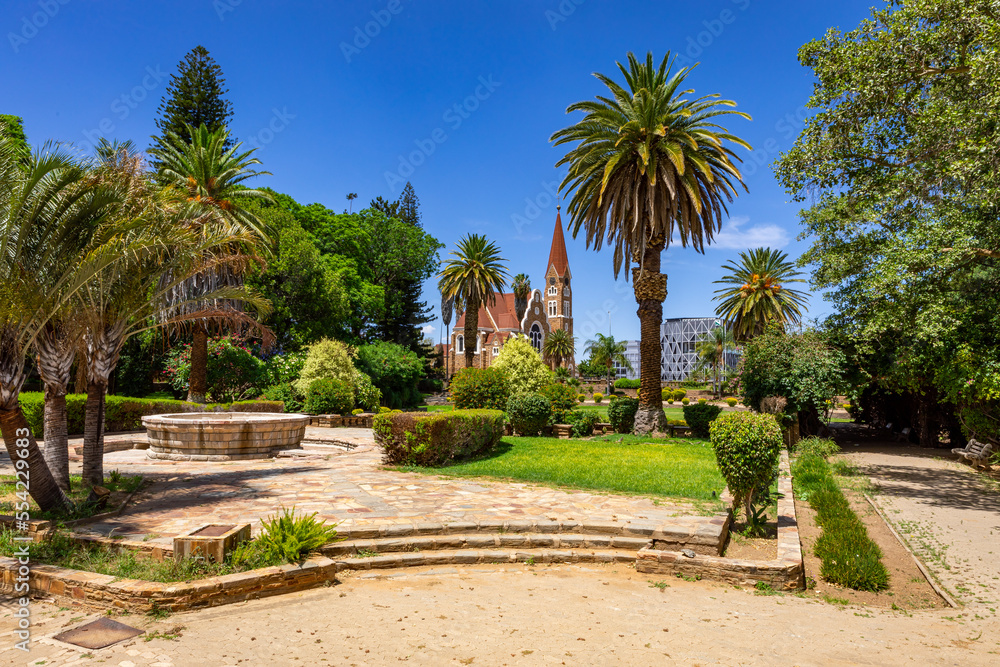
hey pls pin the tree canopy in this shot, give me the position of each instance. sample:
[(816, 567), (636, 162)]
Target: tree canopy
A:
[(195, 96)]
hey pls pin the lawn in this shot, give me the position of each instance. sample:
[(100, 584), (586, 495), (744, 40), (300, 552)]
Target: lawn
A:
[(681, 468), (119, 485), (602, 409)]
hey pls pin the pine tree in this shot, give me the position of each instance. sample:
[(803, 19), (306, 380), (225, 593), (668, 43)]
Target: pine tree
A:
[(409, 206), (195, 97)]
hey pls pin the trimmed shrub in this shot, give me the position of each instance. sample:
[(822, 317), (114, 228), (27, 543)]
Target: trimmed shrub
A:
[(598, 397), (433, 439), (699, 416), (287, 394), (562, 398), (685, 401), (679, 394), (581, 398), (670, 401), (667, 395), (357, 411), (528, 414), (746, 448), (582, 423), (523, 366), (731, 402), (329, 396), (702, 401), (625, 383), (480, 389), (621, 414)]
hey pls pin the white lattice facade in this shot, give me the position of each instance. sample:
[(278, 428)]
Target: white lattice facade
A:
[(632, 355), (679, 338)]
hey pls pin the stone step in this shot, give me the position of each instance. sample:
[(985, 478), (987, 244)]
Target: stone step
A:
[(484, 557), (487, 541)]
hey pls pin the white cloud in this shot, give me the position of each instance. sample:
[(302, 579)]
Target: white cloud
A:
[(428, 329), (735, 235)]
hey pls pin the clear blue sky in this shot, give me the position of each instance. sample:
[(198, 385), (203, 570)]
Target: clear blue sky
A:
[(335, 112)]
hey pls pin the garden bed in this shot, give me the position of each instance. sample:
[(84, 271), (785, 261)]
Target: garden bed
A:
[(121, 486)]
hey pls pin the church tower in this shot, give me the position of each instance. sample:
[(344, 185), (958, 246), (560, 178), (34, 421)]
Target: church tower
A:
[(558, 292)]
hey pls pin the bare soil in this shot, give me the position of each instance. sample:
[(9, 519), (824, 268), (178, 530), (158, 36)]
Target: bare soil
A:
[(764, 547)]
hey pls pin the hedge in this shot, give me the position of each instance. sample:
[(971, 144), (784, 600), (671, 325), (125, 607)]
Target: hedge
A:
[(621, 414), (699, 416), (625, 383), (124, 413), (433, 439)]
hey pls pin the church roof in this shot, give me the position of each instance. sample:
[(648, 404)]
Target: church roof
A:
[(503, 311), (557, 254)]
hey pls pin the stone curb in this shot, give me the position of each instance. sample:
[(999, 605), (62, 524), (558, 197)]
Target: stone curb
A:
[(787, 572)]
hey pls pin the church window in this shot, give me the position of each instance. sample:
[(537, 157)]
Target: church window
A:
[(552, 281), (536, 336), (553, 290), (565, 291), (460, 343), (536, 310), (552, 309), (566, 309), (496, 350)]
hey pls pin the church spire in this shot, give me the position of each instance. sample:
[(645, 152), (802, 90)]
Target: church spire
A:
[(558, 259)]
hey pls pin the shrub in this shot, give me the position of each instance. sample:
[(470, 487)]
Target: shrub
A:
[(667, 395), (522, 364), (283, 368), (357, 411), (699, 416), (288, 537), (598, 397), (670, 401), (621, 414), (287, 394), (528, 413), (366, 394), (685, 401), (582, 423), (746, 449), (679, 394), (480, 389), (581, 398), (816, 446), (234, 373), (433, 439), (702, 401), (625, 383), (562, 398), (731, 402), (395, 370), (328, 358), (329, 396)]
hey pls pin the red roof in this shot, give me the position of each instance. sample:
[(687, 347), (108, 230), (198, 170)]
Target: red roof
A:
[(503, 311), (557, 255)]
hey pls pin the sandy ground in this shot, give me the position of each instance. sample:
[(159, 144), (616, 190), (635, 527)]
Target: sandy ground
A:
[(524, 615)]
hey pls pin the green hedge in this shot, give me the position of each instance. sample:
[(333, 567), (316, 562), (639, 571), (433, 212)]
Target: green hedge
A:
[(699, 416), (621, 414), (123, 413), (849, 556), (625, 383), (433, 439)]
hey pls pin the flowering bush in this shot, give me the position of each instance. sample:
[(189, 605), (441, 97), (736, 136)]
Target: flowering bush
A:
[(283, 368), (234, 373)]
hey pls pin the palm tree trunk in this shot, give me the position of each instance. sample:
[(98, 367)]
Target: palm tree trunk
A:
[(93, 435), (56, 436), (471, 331), (41, 484), (198, 378), (56, 347), (80, 380), (650, 288)]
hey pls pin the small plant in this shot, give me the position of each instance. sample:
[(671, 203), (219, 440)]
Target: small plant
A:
[(581, 398), (746, 448), (685, 401), (662, 585), (158, 612), (764, 588), (598, 397), (582, 423), (357, 411), (670, 401), (731, 402), (562, 400), (290, 537), (366, 553), (702, 401)]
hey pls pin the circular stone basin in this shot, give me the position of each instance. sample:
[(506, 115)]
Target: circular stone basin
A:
[(223, 436)]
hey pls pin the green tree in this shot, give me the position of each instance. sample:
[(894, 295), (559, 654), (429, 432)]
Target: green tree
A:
[(12, 127), (559, 346), (649, 161), (524, 367), (205, 180), (899, 164), (521, 287), (395, 370), (713, 350), (604, 352), (195, 96), (759, 293), (473, 278), (328, 358)]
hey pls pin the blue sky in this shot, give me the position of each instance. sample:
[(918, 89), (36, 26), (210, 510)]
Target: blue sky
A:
[(458, 97)]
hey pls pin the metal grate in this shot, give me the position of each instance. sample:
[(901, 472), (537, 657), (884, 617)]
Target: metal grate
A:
[(98, 634)]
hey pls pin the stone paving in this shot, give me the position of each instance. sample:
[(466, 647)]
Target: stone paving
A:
[(348, 487)]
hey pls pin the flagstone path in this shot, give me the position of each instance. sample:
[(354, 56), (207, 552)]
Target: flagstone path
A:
[(347, 487)]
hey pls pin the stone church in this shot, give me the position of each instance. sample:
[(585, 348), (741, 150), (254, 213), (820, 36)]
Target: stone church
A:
[(549, 308)]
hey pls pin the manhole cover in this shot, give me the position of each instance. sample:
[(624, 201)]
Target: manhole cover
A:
[(98, 634)]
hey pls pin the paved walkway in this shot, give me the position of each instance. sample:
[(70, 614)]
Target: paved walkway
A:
[(348, 487), (949, 515)]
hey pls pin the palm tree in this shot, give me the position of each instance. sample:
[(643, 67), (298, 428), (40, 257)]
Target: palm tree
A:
[(473, 278), (606, 351), (206, 179), (49, 212), (650, 162), (757, 294), (712, 352), (559, 345), (55, 347), (521, 287)]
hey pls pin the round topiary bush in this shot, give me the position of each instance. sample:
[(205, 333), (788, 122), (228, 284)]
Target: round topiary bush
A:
[(480, 389), (731, 402), (685, 401), (528, 414), (702, 401), (581, 398), (746, 448), (679, 394), (621, 414), (329, 396), (598, 397)]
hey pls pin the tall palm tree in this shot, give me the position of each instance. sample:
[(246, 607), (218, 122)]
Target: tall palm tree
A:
[(758, 293), (650, 163), (47, 207), (559, 345), (473, 278), (712, 351), (606, 351), (521, 287), (207, 180)]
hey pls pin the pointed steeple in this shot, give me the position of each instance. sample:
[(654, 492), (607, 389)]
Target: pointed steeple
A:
[(558, 259)]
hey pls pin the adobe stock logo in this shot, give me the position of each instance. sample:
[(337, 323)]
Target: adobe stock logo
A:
[(30, 25), (372, 29)]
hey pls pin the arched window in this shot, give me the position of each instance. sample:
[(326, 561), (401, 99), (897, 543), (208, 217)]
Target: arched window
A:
[(460, 343), (536, 336)]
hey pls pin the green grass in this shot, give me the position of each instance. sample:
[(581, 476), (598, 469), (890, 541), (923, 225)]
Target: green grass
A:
[(114, 481), (682, 468)]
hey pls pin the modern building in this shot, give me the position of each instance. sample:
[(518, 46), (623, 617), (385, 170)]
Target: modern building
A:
[(549, 309), (632, 355), (679, 338)]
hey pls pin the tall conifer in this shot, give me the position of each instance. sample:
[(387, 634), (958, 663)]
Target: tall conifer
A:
[(195, 96)]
